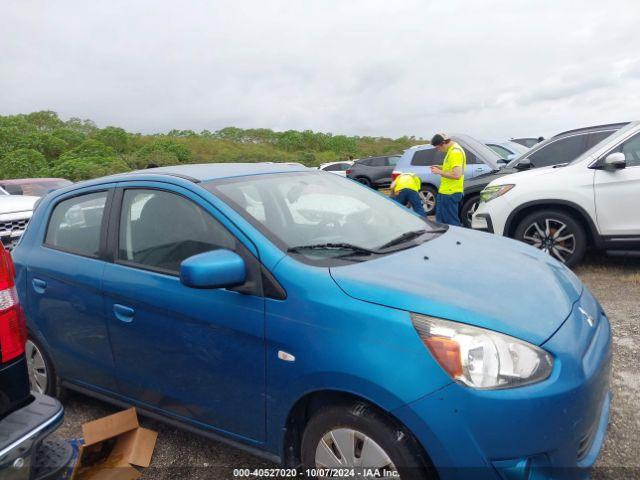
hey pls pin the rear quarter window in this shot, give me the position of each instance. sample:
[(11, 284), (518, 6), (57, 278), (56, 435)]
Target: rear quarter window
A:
[(75, 224), (427, 157)]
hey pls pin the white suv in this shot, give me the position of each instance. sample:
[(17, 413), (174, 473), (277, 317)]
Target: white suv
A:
[(594, 201), (15, 213)]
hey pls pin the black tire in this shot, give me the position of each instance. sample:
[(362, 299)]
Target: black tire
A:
[(557, 232), (52, 387), (399, 445), (428, 195), (364, 180), (469, 206)]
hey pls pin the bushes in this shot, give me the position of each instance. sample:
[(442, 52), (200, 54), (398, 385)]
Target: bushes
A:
[(164, 152), (40, 143), (76, 169), (90, 159), (23, 163)]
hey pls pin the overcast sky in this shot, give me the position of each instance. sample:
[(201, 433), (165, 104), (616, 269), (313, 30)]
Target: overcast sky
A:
[(493, 69)]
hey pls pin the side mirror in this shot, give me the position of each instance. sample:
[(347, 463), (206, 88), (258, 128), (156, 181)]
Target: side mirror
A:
[(615, 161), (214, 269), (524, 164)]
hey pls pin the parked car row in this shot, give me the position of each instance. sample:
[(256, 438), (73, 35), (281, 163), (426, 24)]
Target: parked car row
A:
[(481, 160), (286, 289)]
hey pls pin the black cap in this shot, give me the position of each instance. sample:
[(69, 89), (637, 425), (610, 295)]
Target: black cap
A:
[(439, 139)]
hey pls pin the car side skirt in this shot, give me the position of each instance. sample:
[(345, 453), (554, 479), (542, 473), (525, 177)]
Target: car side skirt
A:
[(272, 457)]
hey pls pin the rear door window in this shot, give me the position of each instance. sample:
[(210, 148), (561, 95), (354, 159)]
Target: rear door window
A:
[(563, 150), (378, 162), (75, 224)]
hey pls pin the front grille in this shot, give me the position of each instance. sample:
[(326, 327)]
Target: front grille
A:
[(11, 231)]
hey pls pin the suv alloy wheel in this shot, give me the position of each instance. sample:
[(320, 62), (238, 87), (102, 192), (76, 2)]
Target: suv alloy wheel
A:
[(469, 207), (556, 233)]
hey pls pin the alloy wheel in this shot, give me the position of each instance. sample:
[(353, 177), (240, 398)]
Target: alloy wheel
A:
[(552, 237), (472, 210), (348, 448), (37, 367), (428, 200)]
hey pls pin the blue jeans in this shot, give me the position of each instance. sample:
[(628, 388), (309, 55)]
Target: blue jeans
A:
[(448, 208), (406, 195)]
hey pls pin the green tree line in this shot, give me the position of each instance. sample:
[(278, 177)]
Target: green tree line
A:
[(41, 144)]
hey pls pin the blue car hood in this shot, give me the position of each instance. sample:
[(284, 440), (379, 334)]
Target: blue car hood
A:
[(470, 277)]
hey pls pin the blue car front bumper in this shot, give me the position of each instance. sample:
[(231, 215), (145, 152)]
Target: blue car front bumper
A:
[(554, 429)]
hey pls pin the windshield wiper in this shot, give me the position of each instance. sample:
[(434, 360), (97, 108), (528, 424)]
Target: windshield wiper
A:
[(333, 246), (403, 238)]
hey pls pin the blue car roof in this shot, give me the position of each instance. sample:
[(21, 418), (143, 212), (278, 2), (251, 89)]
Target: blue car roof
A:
[(204, 172)]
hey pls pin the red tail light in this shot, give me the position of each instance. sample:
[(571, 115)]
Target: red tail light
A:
[(13, 329), (349, 171), (394, 175)]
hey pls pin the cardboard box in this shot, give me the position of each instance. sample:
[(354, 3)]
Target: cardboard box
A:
[(112, 446)]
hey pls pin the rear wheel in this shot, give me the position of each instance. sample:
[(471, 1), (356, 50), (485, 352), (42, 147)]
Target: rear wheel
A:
[(358, 437), (469, 207), (364, 181), (556, 233), (42, 376), (428, 196)]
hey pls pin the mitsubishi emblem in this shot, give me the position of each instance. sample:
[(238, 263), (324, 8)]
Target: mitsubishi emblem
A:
[(587, 317)]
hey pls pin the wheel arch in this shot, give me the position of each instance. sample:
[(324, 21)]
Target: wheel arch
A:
[(426, 185), (304, 408), (576, 211)]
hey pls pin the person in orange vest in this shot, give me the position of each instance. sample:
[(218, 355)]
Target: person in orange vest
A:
[(405, 190)]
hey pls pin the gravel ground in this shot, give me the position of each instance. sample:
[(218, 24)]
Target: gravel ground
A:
[(614, 281)]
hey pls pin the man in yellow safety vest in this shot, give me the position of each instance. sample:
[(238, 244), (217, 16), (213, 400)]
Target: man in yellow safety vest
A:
[(405, 190), (451, 181)]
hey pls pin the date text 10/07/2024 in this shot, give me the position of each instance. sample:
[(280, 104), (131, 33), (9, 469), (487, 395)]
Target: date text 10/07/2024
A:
[(360, 473)]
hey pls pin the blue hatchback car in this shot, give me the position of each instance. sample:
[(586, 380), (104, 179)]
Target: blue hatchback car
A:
[(314, 322)]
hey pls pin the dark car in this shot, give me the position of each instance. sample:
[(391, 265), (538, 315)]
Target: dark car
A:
[(25, 418), (373, 172), (559, 149)]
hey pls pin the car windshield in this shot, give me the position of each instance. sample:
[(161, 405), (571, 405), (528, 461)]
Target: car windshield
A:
[(319, 215), (516, 148), (529, 151)]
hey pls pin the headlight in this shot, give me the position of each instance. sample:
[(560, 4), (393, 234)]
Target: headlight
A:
[(481, 358), (496, 191)]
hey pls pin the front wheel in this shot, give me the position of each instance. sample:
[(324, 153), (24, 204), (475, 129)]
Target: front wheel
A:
[(556, 233), (469, 207), (359, 438)]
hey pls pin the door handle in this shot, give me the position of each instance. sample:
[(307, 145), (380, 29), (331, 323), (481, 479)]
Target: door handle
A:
[(39, 285), (122, 313)]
